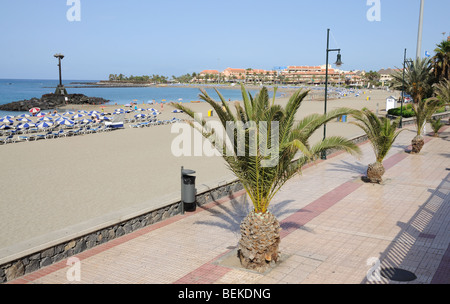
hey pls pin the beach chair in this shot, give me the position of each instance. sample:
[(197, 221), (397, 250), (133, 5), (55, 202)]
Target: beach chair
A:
[(56, 133), (49, 134), (21, 139), (87, 130), (77, 132), (39, 136), (9, 139)]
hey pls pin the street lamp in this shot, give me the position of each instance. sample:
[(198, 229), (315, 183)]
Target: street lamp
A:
[(60, 90), (400, 125), (338, 63), (59, 56)]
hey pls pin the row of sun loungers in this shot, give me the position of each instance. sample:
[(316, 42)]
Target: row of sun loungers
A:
[(53, 134), (13, 136), (154, 123)]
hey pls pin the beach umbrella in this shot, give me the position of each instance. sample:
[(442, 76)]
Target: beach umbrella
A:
[(55, 114), (40, 114), (68, 113), (9, 116), (44, 124), (34, 110), (23, 119), (66, 122), (25, 115), (140, 109), (139, 115), (77, 116), (105, 118), (7, 120), (82, 111), (85, 121), (4, 126), (45, 118), (25, 125), (93, 112)]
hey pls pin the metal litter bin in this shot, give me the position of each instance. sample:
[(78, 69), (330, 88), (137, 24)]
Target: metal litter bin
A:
[(188, 191)]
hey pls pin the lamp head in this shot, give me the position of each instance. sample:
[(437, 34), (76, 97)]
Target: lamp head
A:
[(338, 62)]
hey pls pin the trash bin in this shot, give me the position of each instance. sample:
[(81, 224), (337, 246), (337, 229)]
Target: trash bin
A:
[(210, 113), (188, 191)]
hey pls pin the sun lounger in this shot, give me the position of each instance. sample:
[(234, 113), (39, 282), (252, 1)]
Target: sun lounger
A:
[(39, 136), (49, 134), (9, 139), (21, 138)]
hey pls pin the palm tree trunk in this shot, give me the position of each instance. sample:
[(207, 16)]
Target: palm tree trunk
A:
[(375, 172), (417, 144), (260, 239)]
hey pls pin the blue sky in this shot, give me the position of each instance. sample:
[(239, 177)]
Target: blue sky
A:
[(174, 37)]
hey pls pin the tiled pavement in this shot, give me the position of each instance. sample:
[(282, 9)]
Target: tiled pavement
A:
[(336, 229)]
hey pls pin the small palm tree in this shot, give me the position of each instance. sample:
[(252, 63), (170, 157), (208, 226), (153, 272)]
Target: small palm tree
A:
[(381, 134), (423, 112), (426, 108), (442, 91), (418, 79), (436, 125), (269, 126)]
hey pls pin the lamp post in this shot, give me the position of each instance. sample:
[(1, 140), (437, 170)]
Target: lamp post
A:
[(338, 63), (60, 89), (419, 34), (59, 56), (400, 125)]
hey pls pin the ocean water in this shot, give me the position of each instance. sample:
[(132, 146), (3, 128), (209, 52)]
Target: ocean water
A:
[(20, 89)]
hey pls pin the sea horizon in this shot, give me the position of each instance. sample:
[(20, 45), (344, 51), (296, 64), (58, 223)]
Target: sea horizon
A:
[(12, 90)]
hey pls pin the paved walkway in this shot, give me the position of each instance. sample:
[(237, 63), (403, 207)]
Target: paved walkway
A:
[(336, 229)]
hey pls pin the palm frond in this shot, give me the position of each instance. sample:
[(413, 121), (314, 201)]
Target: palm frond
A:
[(266, 148)]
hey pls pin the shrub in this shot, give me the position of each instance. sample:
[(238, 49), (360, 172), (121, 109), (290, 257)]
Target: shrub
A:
[(407, 111)]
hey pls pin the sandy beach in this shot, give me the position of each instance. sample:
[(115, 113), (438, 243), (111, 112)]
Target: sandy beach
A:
[(53, 184)]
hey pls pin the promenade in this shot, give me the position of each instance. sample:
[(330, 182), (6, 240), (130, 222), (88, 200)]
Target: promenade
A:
[(335, 229)]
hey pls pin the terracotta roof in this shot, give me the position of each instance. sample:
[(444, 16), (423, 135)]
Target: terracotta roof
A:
[(209, 72), (235, 70)]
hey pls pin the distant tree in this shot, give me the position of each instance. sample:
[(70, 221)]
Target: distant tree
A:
[(441, 61), (372, 78), (418, 79)]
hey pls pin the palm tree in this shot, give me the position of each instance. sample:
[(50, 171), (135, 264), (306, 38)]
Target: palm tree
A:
[(265, 126), (442, 91), (423, 112), (418, 79), (441, 60), (381, 134), (436, 125)]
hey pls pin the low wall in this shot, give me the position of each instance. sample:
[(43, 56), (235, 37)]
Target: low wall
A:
[(410, 120), (19, 266)]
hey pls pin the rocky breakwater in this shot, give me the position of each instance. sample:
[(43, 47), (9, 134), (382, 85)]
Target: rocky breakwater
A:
[(51, 101)]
